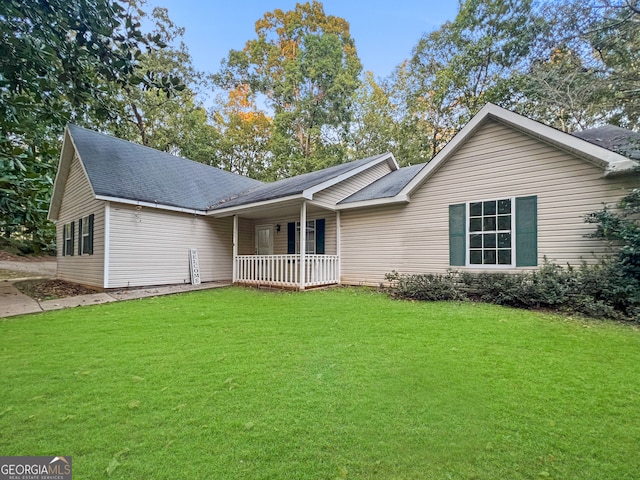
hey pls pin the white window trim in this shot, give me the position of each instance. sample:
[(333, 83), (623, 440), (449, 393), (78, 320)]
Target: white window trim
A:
[(310, 245), (67, 237), (467, 233), (85, 224)]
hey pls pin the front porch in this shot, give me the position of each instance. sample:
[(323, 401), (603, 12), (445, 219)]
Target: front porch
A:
[(271, 249), (287, 271)]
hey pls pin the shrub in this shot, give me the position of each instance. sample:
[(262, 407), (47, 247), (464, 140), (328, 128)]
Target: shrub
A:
[(601, 290), (429, 287)]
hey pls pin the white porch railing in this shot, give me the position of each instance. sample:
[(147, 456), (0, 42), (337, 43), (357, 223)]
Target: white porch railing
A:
[(284, 270)]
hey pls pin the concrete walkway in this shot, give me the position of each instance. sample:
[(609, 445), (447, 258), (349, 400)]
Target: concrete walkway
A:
[(13, 302)]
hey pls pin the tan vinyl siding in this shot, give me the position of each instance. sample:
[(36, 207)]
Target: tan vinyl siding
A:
[(150, 246), (332, 195), (496, 162), (246, 233), (246, 236), (78, 201)]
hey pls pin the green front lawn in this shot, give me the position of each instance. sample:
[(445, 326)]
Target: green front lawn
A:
[(343, 383)]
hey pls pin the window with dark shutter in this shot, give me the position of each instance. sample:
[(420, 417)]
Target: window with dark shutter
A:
[(457, 234), (80, 243), (320, 223), (67, 240), (85, 235), (527, 231), (90, 241), (291, 238), (490, 232), (315, 230)]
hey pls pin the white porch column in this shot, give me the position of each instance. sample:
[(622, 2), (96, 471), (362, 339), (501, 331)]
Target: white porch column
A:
[(303, 242), (338, 243), (235, 249)]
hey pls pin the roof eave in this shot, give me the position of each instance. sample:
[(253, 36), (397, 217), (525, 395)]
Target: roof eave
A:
[(397, 199), (611, 162), (225, 212), (385, 157), (62, 174), (140, 203)]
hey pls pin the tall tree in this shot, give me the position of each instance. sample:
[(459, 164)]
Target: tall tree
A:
[(374, 126), (563, 92), (616, 39), (58, 62), (585, 70), (244, 133), (305, 64), (176, 123), (470, 61)]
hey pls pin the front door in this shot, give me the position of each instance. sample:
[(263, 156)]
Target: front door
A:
[(264, 239)]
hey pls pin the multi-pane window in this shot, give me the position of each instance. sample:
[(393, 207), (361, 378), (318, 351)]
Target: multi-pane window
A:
[(311, 237), (490, 232), (85, 236), (67, 239)]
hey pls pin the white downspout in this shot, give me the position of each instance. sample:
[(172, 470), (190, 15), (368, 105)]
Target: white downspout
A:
[(303, 242), (107, 235), (338, 244), (234, 275)]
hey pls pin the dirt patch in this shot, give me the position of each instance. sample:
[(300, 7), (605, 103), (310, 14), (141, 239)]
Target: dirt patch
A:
[(11, 274), (16, 266), (44, 289), (10, 257)]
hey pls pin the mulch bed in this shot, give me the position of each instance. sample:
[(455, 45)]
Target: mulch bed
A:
[(51, 289)]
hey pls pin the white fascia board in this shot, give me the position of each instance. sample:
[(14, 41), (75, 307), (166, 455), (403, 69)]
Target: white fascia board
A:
[(225, 212), (385, 157), (399, 198), (159, 206), (62, 175), (600, 156)]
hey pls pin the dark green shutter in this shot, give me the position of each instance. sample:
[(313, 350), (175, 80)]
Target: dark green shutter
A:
[(80, 244), (457, 234), (320, 236), (527, 231), (73, 236), (291, 238), (64, 242), (90, 250)]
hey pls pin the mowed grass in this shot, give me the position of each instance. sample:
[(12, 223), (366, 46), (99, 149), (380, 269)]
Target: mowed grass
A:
[(343, 383)]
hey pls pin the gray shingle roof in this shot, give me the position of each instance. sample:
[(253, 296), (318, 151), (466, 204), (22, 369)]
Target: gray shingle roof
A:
[(619, 140), (388, 186), (294, 185), (121, 169)]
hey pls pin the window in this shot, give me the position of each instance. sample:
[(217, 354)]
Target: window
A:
[(85, 235), (315, 237), (490, 236), (498, 232), (67, 239), (311, 237)]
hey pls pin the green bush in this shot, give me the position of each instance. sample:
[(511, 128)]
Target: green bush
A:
[(428, 287), (609, 289), (601, 291)]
